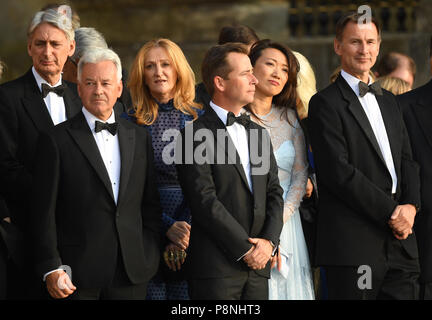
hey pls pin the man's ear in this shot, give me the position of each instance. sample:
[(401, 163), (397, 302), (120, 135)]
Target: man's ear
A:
[(29, 44), (71, 48), (120, 88), (79, 88), (219, 83), (337, 46)]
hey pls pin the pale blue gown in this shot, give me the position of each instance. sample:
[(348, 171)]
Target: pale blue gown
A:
[(295, 281)]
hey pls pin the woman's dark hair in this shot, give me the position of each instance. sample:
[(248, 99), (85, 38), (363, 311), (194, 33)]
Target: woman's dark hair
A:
[(287, 98)]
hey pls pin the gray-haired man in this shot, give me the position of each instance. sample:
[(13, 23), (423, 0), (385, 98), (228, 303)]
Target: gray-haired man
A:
[(31, 104), (95, 202)]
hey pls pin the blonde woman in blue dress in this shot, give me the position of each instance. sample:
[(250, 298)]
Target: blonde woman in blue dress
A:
[(274, 107)]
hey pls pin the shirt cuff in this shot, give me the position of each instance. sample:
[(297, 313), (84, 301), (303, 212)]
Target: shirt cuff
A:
[(243, 255), (48, 273)]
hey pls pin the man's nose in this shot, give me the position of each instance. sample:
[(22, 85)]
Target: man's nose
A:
[(363, 47), (254, 80), (47, 50), (98, 89)]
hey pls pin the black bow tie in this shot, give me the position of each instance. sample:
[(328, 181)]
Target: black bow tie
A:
[(111, 127), (59, 90), (373, 88), (243, 119)]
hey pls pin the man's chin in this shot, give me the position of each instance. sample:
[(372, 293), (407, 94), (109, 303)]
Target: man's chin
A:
[(48, 71)]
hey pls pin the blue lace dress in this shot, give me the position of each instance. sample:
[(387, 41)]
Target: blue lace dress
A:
[(169, 121), (295, 281)]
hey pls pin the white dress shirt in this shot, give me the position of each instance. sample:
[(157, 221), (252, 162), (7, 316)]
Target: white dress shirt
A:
[(55, 103), (238, 135), (109, 149), (373, 113)]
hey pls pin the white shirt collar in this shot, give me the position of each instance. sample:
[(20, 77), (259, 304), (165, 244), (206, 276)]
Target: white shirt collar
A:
[(91, 119), (221, 112), (40, 80), (353, 81)]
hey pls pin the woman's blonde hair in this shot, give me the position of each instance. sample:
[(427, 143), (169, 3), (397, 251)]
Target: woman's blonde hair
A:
[(145, 106), (306, 85), (394, 85)]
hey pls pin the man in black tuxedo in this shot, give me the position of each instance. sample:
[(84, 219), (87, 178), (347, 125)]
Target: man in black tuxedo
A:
[(95, 202), (29, 105), (236, 207), (368, 182), (417, 111)]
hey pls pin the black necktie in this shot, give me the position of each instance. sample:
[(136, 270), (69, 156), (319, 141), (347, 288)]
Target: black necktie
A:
[(243, 119), (111, 127), (59, 90), (373, 88)]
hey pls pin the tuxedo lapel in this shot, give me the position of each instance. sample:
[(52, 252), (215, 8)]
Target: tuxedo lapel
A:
[(214, 123), (255, 140), (423, 113), (72, 101), (390, 118), (359, 114), (80, 132), (126, 136), (35, 105)]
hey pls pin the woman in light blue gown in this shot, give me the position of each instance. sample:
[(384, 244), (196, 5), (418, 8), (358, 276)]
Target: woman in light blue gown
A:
[(274, 108)]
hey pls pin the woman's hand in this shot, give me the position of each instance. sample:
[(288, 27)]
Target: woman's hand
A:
[(179, 234), (174, 257)]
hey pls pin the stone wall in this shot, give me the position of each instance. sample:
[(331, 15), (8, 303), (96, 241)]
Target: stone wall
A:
[(194, 25)]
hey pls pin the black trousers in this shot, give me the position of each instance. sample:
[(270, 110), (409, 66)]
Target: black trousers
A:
[(426, 291), (3, 270), (247, 286), (121, 287), (394, 277)]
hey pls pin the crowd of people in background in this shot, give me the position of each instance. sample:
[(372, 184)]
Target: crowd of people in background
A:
[(86, 185)]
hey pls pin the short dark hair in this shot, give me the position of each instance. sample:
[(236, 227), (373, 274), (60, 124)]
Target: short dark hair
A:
[(215, 63), (237, 33), (391, 61), (352, 17)]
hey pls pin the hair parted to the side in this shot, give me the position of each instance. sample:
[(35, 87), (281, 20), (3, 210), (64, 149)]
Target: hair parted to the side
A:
[(144, 104), (287, 98), (356, 18), (96, 55), (54, 18), (86, 38), (215, 63)]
